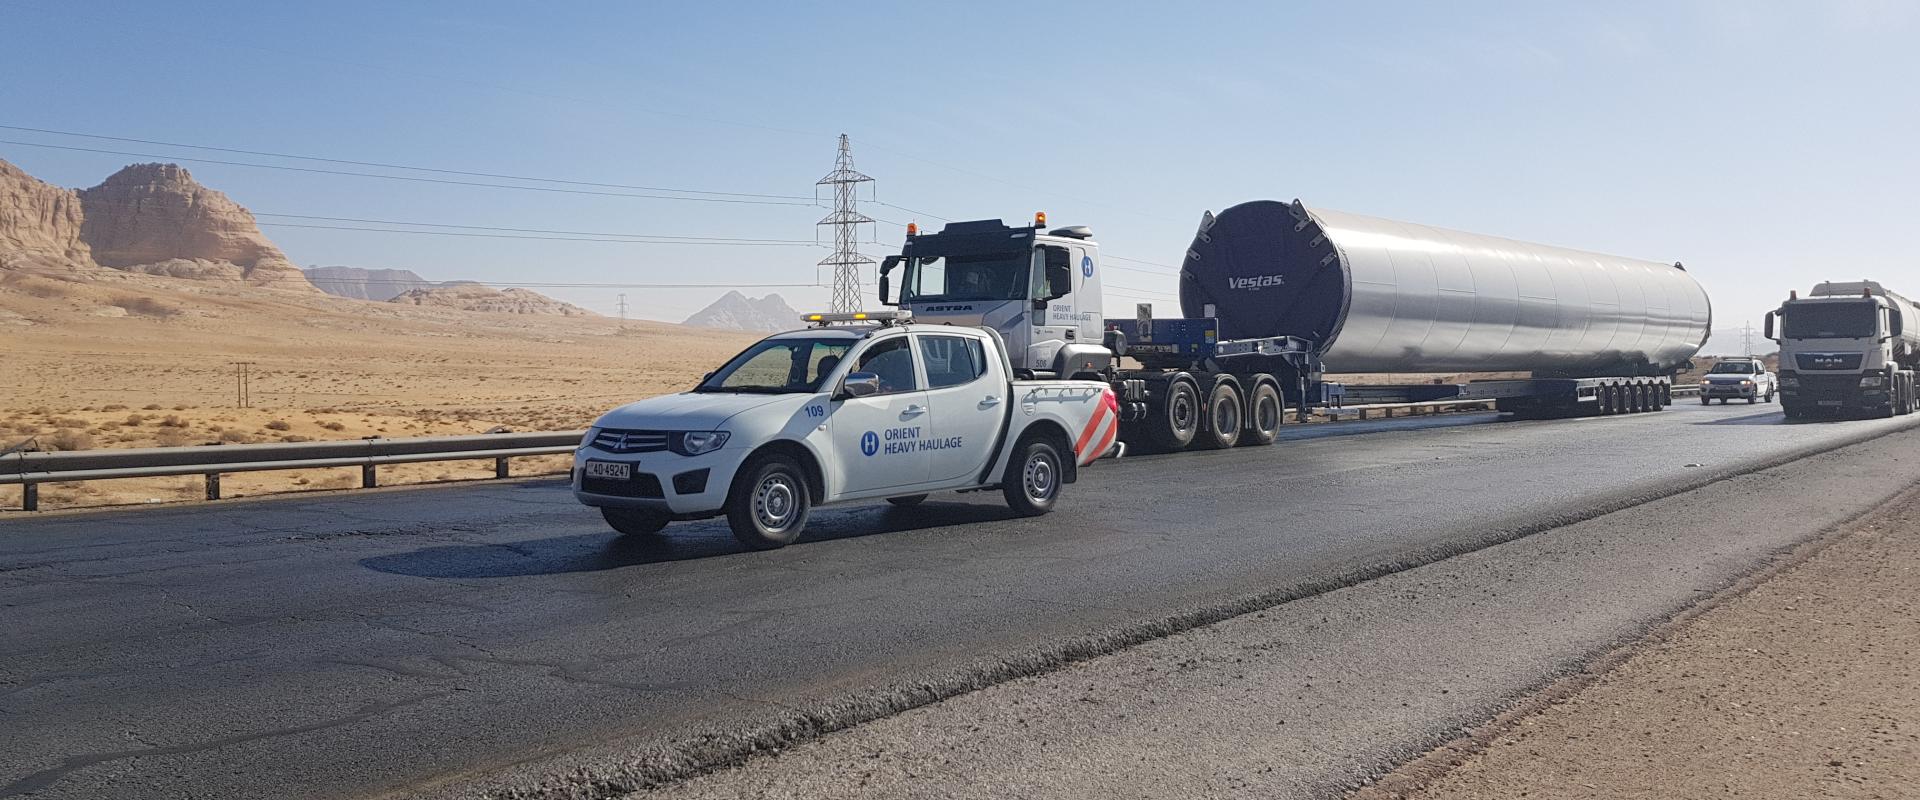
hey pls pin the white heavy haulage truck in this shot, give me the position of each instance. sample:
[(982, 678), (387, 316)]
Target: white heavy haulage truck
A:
[(1275, 295), (1848, 347)]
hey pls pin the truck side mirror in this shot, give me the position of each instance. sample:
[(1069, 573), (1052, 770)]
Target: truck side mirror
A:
[(858, 384), (1769, 328), (886, 265)]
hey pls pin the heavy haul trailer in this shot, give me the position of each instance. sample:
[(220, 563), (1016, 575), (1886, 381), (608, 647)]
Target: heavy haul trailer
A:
[(1276, 294)]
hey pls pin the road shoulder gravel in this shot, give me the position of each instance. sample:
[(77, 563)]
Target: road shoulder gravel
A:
[(1799, 682)]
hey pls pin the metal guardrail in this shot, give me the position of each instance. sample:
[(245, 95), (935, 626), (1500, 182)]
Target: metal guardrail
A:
[(29, 469)]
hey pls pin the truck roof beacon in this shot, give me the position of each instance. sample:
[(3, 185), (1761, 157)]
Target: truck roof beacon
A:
[(1382, 296)]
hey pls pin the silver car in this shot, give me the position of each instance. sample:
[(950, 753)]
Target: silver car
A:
[(1745, 377)]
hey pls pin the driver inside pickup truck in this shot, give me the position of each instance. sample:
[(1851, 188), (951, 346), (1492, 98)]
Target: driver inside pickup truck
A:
[(892, 363)]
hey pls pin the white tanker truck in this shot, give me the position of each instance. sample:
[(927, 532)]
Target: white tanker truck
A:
[(1846, 348), (1275, 295)]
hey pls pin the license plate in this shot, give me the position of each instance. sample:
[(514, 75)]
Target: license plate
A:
[(612, 470), (1829, 402)]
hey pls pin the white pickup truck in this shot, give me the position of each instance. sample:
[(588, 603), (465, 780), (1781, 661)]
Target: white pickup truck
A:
[(876, 409)]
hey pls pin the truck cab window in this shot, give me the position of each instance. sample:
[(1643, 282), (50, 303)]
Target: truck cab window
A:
[(893, 362), (992, 276)]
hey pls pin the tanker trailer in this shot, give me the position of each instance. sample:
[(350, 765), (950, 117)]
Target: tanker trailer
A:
[(1276, 295), (1291, 293)]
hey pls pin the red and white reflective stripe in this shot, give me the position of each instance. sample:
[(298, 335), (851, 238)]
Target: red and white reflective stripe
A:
[(1100, 431)]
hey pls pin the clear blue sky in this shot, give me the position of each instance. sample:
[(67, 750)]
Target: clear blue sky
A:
[(1767, 145)]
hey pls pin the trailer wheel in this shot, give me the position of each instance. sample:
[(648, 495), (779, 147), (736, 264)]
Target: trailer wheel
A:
[(1225, 417), (768, 504), (1265, 415), (1604, 400), (1032, 482), (1177, 419)]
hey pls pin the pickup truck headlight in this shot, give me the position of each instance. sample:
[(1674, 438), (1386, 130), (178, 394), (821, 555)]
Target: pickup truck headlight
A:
[(693, 443), (1871, 381), (588, 437), (1746, 383)]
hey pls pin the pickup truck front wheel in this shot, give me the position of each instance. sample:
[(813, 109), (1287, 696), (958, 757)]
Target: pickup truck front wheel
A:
[(767, 507), (1032, 484)]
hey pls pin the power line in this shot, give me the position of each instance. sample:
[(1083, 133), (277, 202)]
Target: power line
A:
[(445, 284), (401, 166), (1139, 261), (412, 178), (470, 234), (534, 230)]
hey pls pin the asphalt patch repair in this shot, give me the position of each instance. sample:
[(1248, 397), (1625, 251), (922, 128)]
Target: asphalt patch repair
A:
[(1802, 681)]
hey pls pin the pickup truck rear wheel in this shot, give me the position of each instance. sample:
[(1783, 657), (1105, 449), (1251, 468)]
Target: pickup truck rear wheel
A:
[(768, 504), (634, 521), (1032, 482)]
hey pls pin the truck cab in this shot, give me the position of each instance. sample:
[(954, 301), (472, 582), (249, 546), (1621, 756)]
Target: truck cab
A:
[(1039, 289), (1849, 347)]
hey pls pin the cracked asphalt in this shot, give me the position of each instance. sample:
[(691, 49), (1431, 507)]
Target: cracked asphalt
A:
[(495, 637)]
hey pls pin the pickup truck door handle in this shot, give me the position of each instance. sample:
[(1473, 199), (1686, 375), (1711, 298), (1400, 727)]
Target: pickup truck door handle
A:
[(989, 402), (913, 411)]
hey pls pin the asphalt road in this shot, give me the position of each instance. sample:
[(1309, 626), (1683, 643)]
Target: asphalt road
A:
[(413, 640)]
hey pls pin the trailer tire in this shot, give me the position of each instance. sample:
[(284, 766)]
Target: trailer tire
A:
[(1034, 475), (1266, 412), (634, 521), (1226, 417), (1172, 425), (1607, 401), (768, 504)]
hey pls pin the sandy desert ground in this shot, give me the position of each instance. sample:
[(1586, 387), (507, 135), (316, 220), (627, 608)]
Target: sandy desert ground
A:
[(121, 360)]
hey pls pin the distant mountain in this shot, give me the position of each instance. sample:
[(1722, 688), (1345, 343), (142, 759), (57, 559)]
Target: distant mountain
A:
[(736, 311), (468, 296), (357, 283)]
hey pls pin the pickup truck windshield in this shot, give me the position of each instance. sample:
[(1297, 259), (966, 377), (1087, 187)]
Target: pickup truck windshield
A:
[(993, 276), (1733, 368), (1855, 320), (779, 366)]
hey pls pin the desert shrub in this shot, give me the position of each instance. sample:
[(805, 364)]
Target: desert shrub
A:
[(173, 421), (113, 407), (69, 422), (235, 436), (294, 437), (146, 306), (133, 420), (151, 407), (70, 439), (171, 437), (333, 426), (279, 425)]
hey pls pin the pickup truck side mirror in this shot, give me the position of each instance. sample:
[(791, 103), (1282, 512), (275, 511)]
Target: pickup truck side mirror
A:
[(1769, 328), (858, 384)]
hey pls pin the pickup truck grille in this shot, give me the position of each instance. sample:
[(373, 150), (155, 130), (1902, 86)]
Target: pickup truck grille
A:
[(618, 440)]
